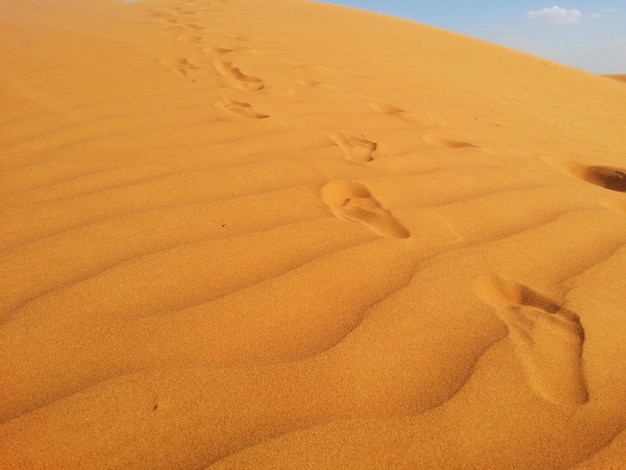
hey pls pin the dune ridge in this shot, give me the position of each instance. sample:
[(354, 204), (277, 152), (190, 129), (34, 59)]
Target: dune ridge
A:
[(281, 234)]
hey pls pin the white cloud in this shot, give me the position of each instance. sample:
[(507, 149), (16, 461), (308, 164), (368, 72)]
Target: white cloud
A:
[(556, 15), (600, 13)]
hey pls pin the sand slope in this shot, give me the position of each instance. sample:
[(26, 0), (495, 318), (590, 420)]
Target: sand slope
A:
[(277, 234), (621, 78)]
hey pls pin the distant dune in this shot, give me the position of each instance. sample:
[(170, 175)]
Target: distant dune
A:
[(621, 78), (279, 234)]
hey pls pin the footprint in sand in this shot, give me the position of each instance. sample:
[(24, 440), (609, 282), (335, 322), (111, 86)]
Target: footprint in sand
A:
[(386, 108), (353, 201), (239, 108), (443, 142), (173, 22), (356, 149), (226, 69), (181, 66), (390, 110), (217, 50), (159, 13), (192, 27), (547, 339), (608, 177), (169, 16), (190, 39), (241, 37), (395, 111)]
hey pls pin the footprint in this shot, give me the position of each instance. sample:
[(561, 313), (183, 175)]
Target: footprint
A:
[(412, 118), (391, 110), (613, 178), (170, 20), (225, 50), (158, 13), (386, 108), (217, 50), (239, 108), (443, 142), (547, 339), (608, 177), (190, 39), (312, 83), (226, 69), (357, 149), (192, 27), (353, 201), (181, 66)]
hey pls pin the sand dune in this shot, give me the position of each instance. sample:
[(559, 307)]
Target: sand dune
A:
[(281, 234), (621, 78)]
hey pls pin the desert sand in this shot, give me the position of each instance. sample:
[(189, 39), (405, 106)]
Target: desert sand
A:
[(280, 234), (619, 77)]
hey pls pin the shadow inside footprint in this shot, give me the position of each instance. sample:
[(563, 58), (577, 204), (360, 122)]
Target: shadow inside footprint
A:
[(547, 339), (248, 82), (181, 66), (386, 108), (354, 202), (240, 108), (443, 142), (608, 177), (217, 50), (605, 176)]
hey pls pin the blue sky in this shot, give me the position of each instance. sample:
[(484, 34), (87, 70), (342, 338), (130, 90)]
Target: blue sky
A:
[(586, 34)]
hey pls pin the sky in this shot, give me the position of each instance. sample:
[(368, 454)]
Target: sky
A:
[(585, 34)]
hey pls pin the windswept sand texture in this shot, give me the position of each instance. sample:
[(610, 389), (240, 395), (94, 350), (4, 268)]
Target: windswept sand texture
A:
[(279, 234)]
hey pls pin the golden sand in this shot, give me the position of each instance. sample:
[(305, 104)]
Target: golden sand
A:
[(621, 78), (279, 234)]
